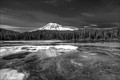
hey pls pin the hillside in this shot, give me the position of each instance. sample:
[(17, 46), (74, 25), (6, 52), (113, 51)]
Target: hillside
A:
[(8, 34)]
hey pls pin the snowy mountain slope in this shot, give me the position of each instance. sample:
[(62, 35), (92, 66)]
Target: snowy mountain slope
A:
[(55, 26)]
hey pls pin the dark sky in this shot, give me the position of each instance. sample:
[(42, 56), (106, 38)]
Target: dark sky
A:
[(23, 15)]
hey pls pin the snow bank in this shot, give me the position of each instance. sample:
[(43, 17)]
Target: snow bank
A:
[(30, 48), (7, 74)]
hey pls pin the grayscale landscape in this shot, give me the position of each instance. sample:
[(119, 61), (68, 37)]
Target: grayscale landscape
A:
[(60, 40)]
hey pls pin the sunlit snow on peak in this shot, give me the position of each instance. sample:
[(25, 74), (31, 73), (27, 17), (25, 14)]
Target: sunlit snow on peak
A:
[(55, 26)]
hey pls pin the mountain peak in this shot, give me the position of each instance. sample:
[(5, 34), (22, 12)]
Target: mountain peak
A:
[(51, 26), (55, 26)]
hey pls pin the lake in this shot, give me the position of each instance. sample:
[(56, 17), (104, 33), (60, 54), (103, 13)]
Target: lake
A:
[(59, 60)]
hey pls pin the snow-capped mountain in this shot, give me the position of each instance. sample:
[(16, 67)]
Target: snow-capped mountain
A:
[(55, 26)]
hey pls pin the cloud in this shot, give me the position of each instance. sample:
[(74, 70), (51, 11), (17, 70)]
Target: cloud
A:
[(34, 19), (8, 27), (106, 17), (56, 2), (15, 28), (69, 0), (87, 14)]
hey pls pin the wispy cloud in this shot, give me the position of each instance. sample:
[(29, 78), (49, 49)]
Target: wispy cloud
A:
[(87, 14), (8, 27), (29, 19), (14, 28), (56, 2), (33, 18)]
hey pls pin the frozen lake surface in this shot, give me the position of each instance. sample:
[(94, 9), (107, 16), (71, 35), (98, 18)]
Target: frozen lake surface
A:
[(67, 61), (30, 48)]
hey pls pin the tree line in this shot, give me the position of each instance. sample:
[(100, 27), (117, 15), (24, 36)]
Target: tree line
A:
[(88, 34)]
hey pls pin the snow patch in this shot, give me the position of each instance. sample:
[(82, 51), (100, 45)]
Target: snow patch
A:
[(75, 63), (29, 48), (7, 74)]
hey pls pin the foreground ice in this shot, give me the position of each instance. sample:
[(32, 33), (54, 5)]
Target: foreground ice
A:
[(31, 48), (105, 44), (7, 74)]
